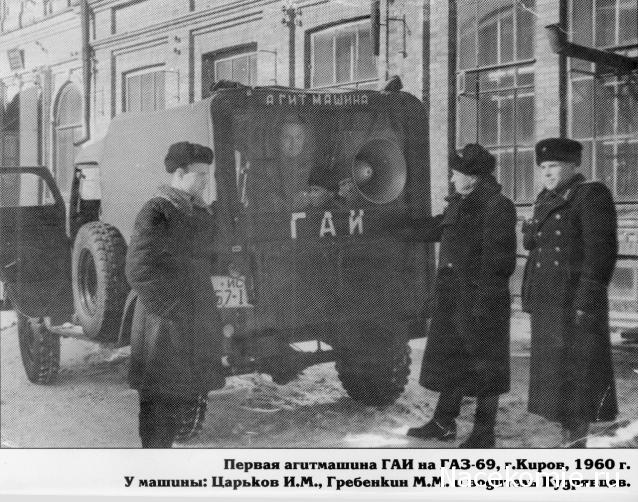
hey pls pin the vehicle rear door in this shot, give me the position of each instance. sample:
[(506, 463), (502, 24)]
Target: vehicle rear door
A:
[(35, 253)]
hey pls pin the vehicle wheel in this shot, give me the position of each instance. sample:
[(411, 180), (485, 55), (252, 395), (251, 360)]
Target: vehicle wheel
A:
[(377, 374), (191, 419), (40, 350), (99, 284)]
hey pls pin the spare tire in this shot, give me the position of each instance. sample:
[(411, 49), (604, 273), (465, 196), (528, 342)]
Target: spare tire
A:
[(99, 284)]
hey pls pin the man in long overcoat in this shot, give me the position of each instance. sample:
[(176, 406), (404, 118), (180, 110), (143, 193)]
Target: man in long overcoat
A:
[(176, 334), (467, 351), (573, 244)]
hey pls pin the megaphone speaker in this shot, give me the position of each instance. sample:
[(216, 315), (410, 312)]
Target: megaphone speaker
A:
[(379, 171)]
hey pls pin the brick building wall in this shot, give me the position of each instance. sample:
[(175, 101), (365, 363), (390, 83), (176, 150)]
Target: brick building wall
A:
[(176, 45)]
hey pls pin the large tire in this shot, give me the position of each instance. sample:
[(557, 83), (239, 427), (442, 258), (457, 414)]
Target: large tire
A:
[(40, 350), (375, 374), (190, 418), (99, 284)]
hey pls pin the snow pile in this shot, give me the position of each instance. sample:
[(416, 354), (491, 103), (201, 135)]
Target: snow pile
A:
[(262, 395), (7, 319), (624, 437)]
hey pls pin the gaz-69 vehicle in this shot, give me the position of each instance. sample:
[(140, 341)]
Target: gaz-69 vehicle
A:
[(305, 186)]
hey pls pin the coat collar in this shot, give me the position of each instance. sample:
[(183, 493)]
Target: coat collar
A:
[(183, 201), (549, 201)]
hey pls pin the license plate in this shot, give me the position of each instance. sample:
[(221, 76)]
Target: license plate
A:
[(230, 291)]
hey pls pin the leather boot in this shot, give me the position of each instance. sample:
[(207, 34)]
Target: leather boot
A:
[(482, 436), (434, 429)]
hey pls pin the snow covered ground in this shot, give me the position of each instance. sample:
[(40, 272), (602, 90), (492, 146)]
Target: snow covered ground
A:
[(92, 406)]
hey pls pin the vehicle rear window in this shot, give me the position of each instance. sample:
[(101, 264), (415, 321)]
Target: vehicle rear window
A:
[(282, 154)]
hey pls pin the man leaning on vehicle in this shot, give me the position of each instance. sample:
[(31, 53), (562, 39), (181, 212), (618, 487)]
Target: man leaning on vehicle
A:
[(176, 334)]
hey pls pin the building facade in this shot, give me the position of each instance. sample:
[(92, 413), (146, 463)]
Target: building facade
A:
[(483, 68)]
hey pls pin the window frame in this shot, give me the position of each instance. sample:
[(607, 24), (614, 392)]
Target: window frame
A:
[(578, 72), (139, 72), (514, 146), (228, 53), (354, 52)]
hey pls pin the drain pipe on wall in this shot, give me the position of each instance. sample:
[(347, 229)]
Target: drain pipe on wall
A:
[(86, 70)]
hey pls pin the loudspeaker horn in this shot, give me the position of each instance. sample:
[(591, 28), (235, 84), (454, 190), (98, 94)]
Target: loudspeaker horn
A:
[(379, 171)]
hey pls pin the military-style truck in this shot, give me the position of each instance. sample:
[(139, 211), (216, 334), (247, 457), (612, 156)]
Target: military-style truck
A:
[(305, 271)]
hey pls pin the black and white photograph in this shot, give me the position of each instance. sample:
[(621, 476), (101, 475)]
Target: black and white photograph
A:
[(319, 224)]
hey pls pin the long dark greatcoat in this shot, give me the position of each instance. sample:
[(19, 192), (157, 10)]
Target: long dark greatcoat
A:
[(176, 334), (573, 245), (468, 341)]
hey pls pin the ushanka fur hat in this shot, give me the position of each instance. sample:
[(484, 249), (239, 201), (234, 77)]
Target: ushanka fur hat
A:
[(183, 153), (560, 149), (473, 160)]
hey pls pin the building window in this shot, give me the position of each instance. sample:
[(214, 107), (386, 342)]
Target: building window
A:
[(68, 129), (145, 90), (341, 56), (238, 65), (604, 108), (496, 87)]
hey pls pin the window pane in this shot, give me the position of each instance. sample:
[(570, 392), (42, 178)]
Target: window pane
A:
[(160, 90), (627, 22), (488, 119), (488, 43), (133, 94), (506, 118), (506, 173), (605, 22), (586, 166), (240, 70), (224, 70), (467, 121), (627, 111), (323, 60), (605, 164), (507, 37), (604, 109), (627, 171), (467, 33), (525, 23), (148, 92), (345, 44), (525, 175), (582, 22), (366, 62), (582, 109), (21, 190), (525, 126)]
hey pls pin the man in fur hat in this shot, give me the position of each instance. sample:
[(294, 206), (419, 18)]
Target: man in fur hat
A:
[(467, 351), (573, 244), (176, 333)]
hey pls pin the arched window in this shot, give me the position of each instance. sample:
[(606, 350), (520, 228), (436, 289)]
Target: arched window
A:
[(67, 130)]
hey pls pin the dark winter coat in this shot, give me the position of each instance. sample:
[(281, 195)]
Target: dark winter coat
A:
[(468, 341), (573, 244), (176, 334)]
